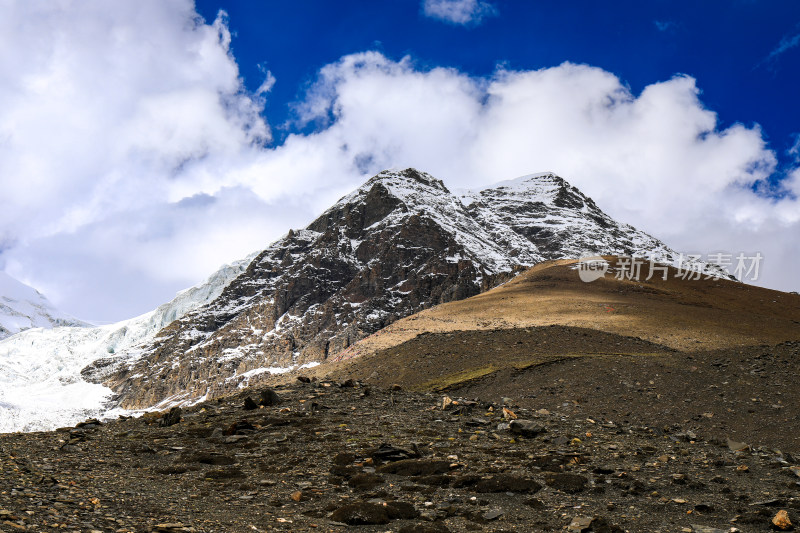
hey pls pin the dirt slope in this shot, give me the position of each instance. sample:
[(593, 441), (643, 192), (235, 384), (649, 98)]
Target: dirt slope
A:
[(677, 313), (709, 355), (341, 458)]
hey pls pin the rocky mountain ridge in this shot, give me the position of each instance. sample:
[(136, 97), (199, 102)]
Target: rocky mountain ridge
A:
[(400, 243)]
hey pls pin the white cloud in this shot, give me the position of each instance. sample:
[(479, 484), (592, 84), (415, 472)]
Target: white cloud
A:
[(132, 163), (787, 43), (461, 12), (656, 159), (103, 109)]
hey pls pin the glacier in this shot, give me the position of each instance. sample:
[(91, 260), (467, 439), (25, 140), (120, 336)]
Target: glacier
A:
[(41, 387)]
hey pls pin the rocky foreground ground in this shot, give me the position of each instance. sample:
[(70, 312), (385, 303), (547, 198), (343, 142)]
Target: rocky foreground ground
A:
[(327, 456)]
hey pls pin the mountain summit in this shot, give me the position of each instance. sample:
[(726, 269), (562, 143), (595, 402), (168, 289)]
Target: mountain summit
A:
[(23, 307), (400, 243)]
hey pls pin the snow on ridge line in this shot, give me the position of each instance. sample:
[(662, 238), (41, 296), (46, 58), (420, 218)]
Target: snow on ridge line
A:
[(40, 369), (22, 307), (422, 193)]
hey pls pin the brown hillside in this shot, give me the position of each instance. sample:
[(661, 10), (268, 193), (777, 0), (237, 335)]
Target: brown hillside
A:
[(677, 313), (705, 354)]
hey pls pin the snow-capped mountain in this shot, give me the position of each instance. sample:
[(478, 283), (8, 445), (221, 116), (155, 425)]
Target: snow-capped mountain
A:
[(40, 369), (559, 219), (398, 244), (23, 307)]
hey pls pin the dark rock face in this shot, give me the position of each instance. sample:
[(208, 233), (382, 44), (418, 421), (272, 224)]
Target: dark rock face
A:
[(399, 244)]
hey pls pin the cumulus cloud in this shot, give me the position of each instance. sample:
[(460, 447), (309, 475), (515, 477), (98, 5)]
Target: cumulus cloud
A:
[(133, 162), (656, 159), (105, 109), (460, 12)]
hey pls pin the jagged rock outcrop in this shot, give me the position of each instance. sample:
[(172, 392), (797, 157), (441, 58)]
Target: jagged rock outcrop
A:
[(398, 244)]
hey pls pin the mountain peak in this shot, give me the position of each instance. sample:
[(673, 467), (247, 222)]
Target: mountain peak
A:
[(23, 307), (408, 176)]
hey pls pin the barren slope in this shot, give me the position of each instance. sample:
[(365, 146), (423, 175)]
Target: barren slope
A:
[(677, 313), (707, 355)]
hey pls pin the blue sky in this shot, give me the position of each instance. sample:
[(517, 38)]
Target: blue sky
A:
[(732, 48), (144, 143)]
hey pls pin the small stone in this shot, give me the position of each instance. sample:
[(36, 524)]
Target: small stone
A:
[(774, 502), (686, 436), (507, 483), (679, 479), (396, 387), (344, 458), (171, 418), (737, 446), (365, 481), (250, 404), (269, 397), (296, 495), (493, 514), (743, 468), (240, 427), (697, 528), (362, 513), (447, 401), (401, 510), (525, 428), (387, 452), (304, 379), (89, 424), (415, 467), (580, 524), (781, 521), (566, 482), (508, 414)]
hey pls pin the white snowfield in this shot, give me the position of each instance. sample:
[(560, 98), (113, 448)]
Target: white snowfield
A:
[(40, 382)]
